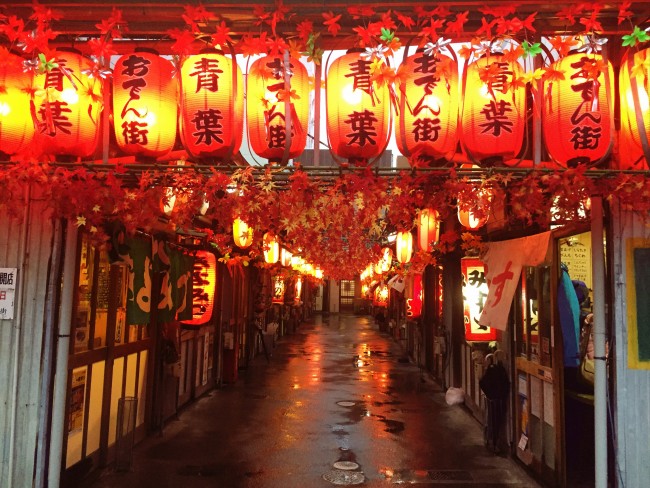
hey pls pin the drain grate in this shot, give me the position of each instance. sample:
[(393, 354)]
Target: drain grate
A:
[(450, 475), (338, 477), (346, 465)]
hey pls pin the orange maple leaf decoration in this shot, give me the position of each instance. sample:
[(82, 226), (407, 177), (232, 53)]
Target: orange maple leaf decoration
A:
[(331, 21), (563, 44)]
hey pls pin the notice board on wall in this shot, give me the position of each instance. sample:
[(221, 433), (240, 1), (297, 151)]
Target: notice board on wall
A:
[(638, 263)]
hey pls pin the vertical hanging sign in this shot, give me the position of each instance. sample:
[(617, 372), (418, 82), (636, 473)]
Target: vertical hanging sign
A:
[(475, 291), (7, 292)]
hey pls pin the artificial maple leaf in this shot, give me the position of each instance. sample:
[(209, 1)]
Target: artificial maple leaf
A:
[(486, 28), (222, 36), (43, 15), (591, 23), (295, 49), (13, 29), (498, 11), (406, 21), (304, 29), (563, 44), (640, 67), (456, 26), (384, 76), (387, 21), (37, 41), (514, 53), (183, 40), (251, 46), (636, 37), (422, 13), (430, 31), (508, 26), (624, 12), (276, 46), (365, 36), (193, 15), (262, 15), (551, 74), (534, 76), (441, 11), (331, 21), (466, 51)]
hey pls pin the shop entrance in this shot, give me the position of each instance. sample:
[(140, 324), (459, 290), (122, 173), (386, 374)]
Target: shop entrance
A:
[(346, 296)]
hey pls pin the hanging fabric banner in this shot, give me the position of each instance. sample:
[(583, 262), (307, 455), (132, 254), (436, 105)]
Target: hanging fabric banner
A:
[(175, 301), (503, 262), (138, 261)]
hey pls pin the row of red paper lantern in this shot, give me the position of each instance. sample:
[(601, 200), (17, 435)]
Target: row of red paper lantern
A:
[(60, 109)]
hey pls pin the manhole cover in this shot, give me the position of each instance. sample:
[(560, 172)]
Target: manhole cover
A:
[(346, 465), (337, 477), (346, 404)]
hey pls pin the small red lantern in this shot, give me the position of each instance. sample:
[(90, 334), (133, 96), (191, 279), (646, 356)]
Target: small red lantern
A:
[(278, 289), (145, 105), (68, 106), (271, 248), (358, 111), (428, 228), (494, 113), (242, 234), (404, 246), (204, 282), (475, 291), (268, 104), (212, 105), (414, 302), (285, 257), (475, 214), (428, 115), (16, 124), (578, 116), (635, 112)]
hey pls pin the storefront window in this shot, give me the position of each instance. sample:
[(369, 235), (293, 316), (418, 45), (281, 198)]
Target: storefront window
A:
[(534, 326)]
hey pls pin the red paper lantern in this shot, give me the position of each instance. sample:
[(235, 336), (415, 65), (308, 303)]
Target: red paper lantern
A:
[(428, 226), (278, 289), (145, 104), (475, 291), (212, 106), (266, 108), (635, 112), (285, 257), (204, 282), (414, 302), (475, 214), (404, 246), (16, 124), (242, 234), (578, 116), (494, 114), (428, 115), (358, 111), (67, 105)]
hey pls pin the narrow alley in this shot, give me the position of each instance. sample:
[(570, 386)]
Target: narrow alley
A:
[(337, 403)]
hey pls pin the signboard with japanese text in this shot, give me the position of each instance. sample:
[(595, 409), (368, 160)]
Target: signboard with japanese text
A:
[(7, 292), (475, 291)]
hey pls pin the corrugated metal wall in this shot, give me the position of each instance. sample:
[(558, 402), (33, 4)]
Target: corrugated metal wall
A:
[(21, 343), (632, 394)]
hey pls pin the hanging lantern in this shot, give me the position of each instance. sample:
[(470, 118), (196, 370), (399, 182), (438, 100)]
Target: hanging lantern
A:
[(16, 124), (145, 106), (404, 246), (386, 260), (67, 106), (381, 295), (267, 101), (578, 116), (428, 226), (271, 248), (428, 101), (297, 290), (358, 111), (204, 282), (475, 290), (414, 302), (634, 150), (285, 257), (242, 233), (475, 214), (494, 111), (212, 106)]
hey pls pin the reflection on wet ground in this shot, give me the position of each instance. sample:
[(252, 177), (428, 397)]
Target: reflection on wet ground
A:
[(336, 405)]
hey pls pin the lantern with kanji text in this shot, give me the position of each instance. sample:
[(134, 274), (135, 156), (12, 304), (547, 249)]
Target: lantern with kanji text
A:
[(414, 300), (428, 225), (494, 110), (16, 124), (67, 106), (204, 282), (271, 105), (285, 257), (278, 289), (404, 246), (212, 106), (634, 148), (242, 234), (145, 103), (428, 107), (578, 114), (474, 213), (358, 110)]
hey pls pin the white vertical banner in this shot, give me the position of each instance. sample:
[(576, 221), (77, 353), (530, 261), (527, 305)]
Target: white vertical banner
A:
[(503, 262), (7, 292)]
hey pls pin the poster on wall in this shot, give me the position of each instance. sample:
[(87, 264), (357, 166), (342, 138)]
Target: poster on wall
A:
[(7, 290), (475, 291), (77, 400), (638, 306)]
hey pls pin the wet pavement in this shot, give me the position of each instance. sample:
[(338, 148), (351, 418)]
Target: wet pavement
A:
[(337, 405)]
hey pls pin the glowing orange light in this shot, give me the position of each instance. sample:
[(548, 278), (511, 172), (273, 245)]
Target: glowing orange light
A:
[(271, 248), (428, 226), (204, 282), (404, 246), (635, 108), (16, 124), (474, 287), (242, 234)]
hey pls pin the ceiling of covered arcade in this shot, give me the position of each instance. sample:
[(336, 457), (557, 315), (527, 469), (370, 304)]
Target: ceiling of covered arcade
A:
[(339, 217)]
